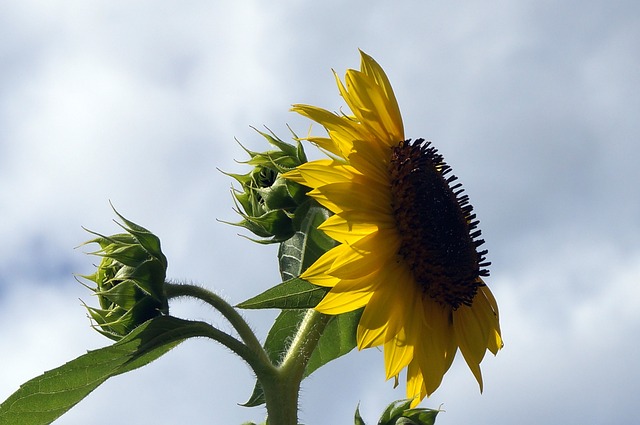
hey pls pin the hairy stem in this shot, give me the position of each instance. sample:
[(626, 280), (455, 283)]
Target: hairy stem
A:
[(281, 394), (258, 359)]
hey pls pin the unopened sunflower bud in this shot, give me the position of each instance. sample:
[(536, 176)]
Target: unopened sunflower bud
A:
[(400, 413), (266, 201), (129, 280)]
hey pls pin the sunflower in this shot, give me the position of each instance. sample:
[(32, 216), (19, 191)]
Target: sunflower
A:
[(408, 246)]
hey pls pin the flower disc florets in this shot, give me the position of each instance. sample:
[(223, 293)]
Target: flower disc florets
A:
[(436, 225), (129, 280)]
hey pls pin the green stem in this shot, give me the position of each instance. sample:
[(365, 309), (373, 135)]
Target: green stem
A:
[(258, 359), (281, 394), (206, 330), (281, 385)]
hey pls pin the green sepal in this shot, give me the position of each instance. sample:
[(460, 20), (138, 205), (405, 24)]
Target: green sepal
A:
[(418, 416), (266, 201), (357, 419), (120, 248), (275, 224), (45, 398), (400, 413), (116, 321), (129, 280), (278, 195), (394, 411), (148, 240), (285, 158)]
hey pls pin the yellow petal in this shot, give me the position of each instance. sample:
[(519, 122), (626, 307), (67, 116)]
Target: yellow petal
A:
[(322, 172), (472, 333), (369, 104), (324, 201), (485, 301), (349, 295), (495, 342), (371, 160), (344, 230), (416, 390), (398, 353), (367, 337), (344, 130), (351, 261), (370, 253), (294, 175), (354, 262), (376, 316), (404, 325), (338, 303), (359, 217), (325, 143), (322, 279), (434, 353), (491, 299), (371, 68), (325, 262), (355, 196)]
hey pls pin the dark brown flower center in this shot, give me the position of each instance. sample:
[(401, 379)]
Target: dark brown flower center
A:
[(437, 227)]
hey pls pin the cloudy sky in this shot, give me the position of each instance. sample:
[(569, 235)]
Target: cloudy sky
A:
[(535, 104)]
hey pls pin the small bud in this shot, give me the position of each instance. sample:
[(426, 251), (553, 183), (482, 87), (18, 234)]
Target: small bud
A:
[(400, 413), (129, 280), (266, 201)]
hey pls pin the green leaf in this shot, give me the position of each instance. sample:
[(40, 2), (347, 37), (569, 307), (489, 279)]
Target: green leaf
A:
[(338, 338), (297, 253), (292, 294), (46, 397)]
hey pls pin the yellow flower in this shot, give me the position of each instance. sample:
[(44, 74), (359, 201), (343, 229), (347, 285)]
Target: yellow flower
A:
[(408, 240)]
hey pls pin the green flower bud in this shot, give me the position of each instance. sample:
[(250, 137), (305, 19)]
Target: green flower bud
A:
[(266, 201), (129, 280), (400, 413)]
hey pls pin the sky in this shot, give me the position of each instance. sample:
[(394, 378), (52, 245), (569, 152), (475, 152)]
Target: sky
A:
[(534, 104)]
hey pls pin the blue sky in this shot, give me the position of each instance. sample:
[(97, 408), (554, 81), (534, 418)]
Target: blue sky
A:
[(535, 104)]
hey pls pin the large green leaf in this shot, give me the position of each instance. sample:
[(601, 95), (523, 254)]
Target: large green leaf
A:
[(46, 397), (295, 293), (338, 338), (297, 253)]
